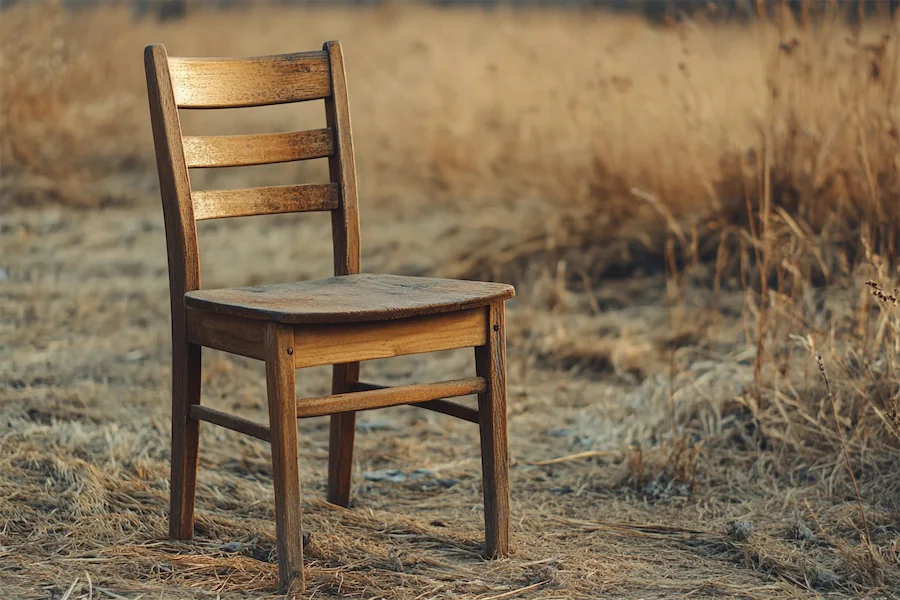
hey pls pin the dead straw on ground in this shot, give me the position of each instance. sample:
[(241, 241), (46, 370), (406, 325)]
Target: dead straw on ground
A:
[(690, 214)]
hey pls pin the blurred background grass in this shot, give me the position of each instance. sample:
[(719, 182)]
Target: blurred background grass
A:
[(689, 197)]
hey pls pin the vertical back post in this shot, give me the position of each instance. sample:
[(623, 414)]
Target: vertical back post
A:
[(184, 275), (342, 165), (345, 235), (175, 187)]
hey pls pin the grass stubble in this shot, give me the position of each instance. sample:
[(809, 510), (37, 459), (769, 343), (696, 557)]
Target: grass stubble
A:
[(700, 220)]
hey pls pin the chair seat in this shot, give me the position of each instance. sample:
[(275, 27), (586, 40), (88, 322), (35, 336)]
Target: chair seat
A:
[(349, 298)]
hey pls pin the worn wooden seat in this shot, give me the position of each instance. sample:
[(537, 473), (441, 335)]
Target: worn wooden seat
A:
[(338, 321), (348, 299)]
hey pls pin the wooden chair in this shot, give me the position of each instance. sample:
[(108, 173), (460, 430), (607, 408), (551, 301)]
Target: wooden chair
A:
[(338, 321)]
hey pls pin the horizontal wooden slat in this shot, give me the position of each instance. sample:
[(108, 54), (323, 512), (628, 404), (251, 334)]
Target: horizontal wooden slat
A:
[(442, 406), (258, 81), (351, 342), (236, 335), (239, 424), (219, 204), (243, 150), (381, 398)]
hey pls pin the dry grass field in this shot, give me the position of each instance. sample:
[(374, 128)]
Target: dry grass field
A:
[(690, 214)]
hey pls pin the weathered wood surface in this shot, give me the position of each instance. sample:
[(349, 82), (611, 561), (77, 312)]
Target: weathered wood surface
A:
[(341, 435), (384, 397), (282, 393), (257, 81), (249, 202), (246, 337), (233, 422), (184, 275), (351, 298), (353, 342), (442, 406), (243, 150), (342, 168), (490, 363)]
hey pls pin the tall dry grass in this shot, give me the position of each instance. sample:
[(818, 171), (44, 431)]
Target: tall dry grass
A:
[(582, 113), (581, 148)]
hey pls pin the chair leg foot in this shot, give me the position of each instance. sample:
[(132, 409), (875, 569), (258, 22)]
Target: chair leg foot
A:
[(186, 363), (295, 584), (341, 437), (280, 383), (490, 363)]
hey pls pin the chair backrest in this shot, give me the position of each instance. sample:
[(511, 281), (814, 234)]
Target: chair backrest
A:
[(204, 83)]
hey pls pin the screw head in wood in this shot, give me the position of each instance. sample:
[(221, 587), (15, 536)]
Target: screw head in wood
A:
[(290, 351), (496, 327)]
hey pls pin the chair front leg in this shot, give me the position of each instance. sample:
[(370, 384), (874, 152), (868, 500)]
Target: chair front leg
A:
[(490, 363), (341, 437), (280, 383)]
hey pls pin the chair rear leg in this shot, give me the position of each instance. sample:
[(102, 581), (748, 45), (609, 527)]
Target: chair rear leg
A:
[(341, 437), (186, 361), (280, 383), (490, 363)]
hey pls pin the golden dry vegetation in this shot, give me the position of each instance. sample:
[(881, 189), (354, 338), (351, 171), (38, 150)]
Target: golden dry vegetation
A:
[(690, 214)]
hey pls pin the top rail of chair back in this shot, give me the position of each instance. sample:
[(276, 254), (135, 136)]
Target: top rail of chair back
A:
[(256, 81)]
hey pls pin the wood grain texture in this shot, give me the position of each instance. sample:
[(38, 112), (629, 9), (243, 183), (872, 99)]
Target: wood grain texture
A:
[(186, 364), (175, 187), (341, 435), (342, 166), (490, 363), (246, 337), (235, 423), (351, 298), (184, 275), (352, 342), (345, 241), (257, 81), (248, 202), (442, 406), (244, 150), (281, 386), (392, 396)]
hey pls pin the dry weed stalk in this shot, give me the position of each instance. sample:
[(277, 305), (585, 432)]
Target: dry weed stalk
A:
[(743, 182), (879, 293), (867, 535)]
